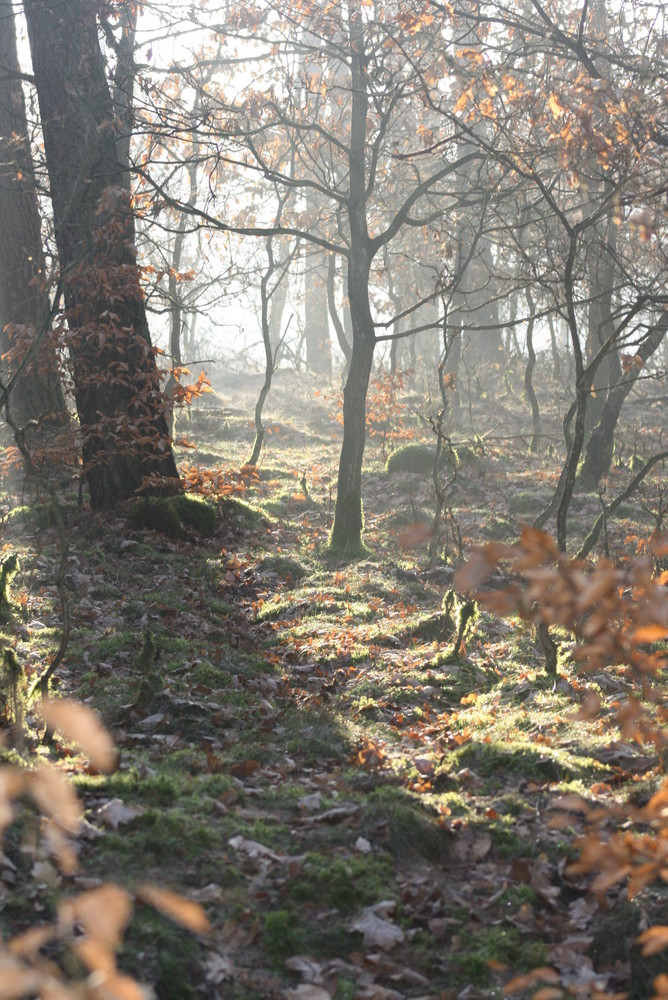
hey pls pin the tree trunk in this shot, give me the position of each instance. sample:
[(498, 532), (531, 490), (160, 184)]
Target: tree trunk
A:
[(348, 520), (528, 376), (24, 300), (125, 438), (598, 456), (346, 535), (339, 330), (316, 318)]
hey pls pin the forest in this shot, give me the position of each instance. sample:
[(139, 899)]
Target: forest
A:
[(333, 509)]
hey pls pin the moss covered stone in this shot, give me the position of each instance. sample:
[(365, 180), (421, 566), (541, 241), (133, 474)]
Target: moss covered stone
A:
[(170, 515)]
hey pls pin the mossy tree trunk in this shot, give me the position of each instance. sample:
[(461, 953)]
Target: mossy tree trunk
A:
[(125, 437)]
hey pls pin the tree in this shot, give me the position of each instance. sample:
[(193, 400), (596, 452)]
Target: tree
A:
[(24, 300), (348, 113), (125, 438)]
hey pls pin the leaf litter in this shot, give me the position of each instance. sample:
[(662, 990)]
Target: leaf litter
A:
[(354, 812)]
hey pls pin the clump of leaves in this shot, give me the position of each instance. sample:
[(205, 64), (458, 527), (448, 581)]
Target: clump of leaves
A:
[(619, 616)]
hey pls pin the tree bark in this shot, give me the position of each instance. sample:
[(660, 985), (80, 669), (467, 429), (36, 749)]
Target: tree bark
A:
[(316, 318), (598, 455), (24, 300), (347, 529), (125, 438), (528, 376)]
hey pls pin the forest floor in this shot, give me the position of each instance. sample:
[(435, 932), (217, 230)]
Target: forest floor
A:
[(359, 814)]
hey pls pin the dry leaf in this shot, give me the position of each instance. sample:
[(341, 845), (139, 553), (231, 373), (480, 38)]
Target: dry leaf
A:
[(81, 725), (16, 981), (115, 813), (253, 849), (55, 797), (378, 932), (654, 940), (120, 987), (103, 913), (179, 909), (307, 991)]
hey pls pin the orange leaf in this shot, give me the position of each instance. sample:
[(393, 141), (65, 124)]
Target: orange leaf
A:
[(654, 939), (182, 911), (650, 633)]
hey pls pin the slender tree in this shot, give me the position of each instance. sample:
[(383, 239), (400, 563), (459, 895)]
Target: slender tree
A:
[(24, 299)]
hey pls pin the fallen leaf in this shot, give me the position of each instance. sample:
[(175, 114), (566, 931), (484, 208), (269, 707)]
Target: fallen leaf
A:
[(377, 931), (182, 911), (115, 813), (254, 849), (81, 725), (307, 991)]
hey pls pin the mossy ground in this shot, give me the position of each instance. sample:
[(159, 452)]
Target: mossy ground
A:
[(300, 744)]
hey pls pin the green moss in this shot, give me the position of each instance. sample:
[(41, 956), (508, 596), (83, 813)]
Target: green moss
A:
[(288, 569), (525, 502), (196, 513), (342, 883), (501, 944), (241, 514), (417, 458), (169, 515), (395, 818), (156, 515), (9, 567), (162, 953), (281, 934)]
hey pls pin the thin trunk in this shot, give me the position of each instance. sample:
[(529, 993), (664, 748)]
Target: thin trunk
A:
[(24, 300), (339, 330), (316, 318), (600, 448), (346, 534), (528, 376), (268, 358), (125, 438), (556, 364)]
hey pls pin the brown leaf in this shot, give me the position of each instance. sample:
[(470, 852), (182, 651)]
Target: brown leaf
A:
[(378, 932), (179, 909), (543, 974), (55, 797), (81, 725), (654, 940), (415, 535), (115, 813), (103, 913), (16, 981)]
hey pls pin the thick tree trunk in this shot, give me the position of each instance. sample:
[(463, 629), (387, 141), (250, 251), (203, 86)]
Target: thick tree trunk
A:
[(125, 438), (24, 300)]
